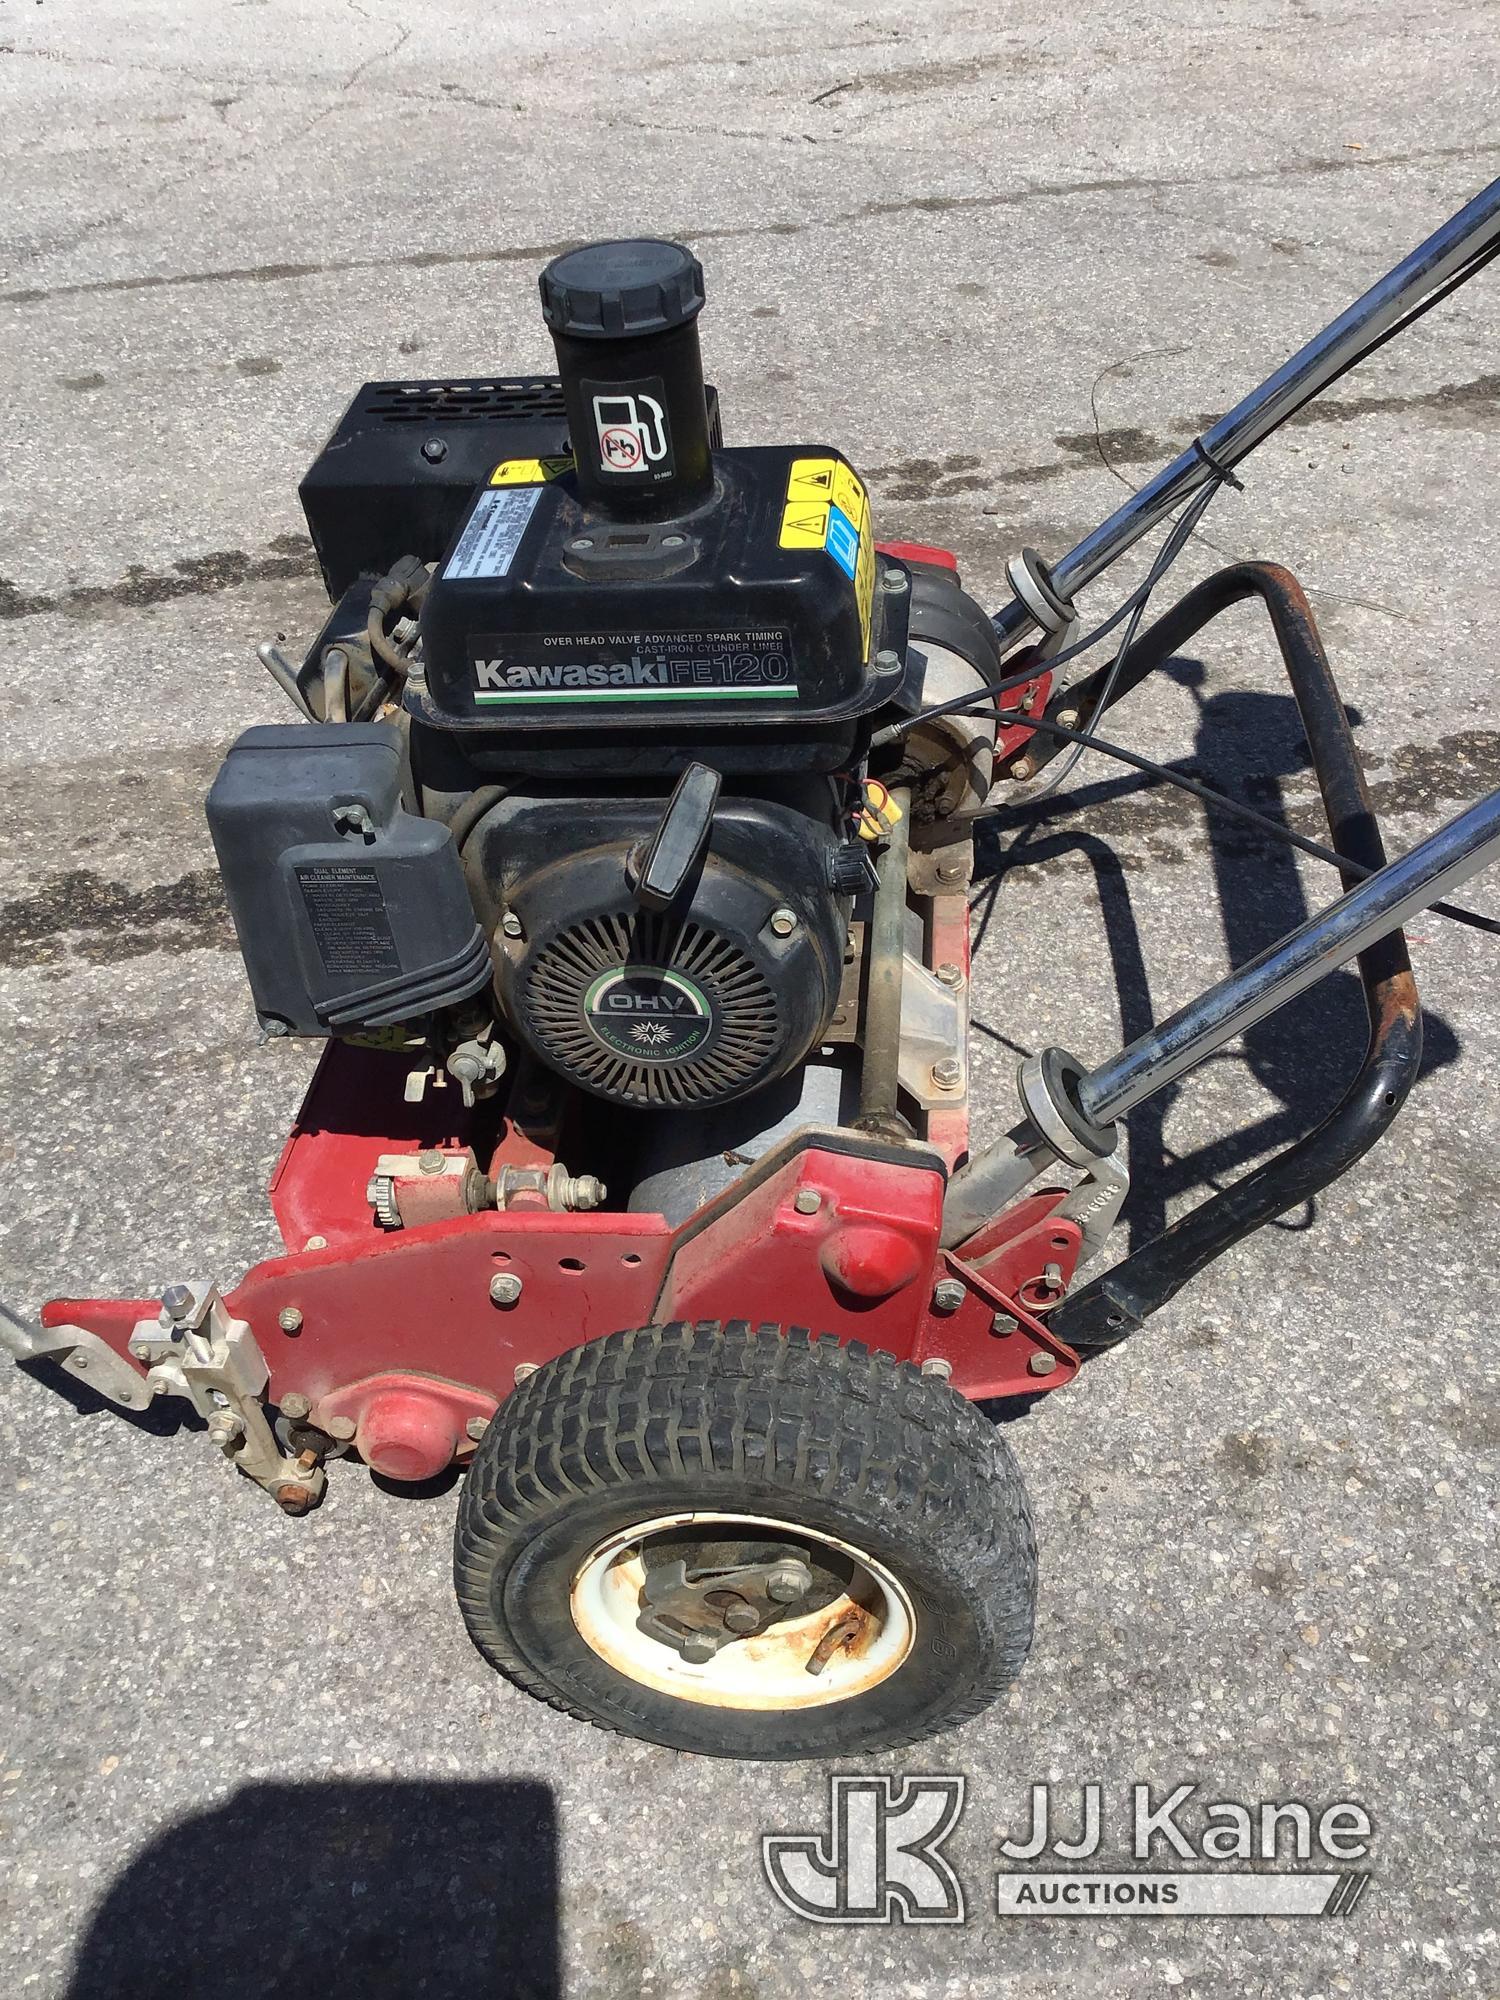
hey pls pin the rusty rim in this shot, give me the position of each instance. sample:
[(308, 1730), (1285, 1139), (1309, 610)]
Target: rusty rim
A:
[(858, 1632)]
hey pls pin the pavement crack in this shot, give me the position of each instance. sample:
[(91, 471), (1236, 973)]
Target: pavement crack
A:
[(869, 211)]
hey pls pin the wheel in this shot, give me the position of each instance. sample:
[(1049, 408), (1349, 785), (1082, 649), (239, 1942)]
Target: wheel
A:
[(747, 1543)]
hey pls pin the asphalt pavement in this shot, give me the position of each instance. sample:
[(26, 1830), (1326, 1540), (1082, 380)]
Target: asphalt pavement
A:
[(1008, 260)]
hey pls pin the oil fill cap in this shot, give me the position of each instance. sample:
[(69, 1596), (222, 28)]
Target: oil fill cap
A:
[(622, 291)]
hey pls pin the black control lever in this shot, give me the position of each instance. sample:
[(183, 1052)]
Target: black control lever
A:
[(659, 867)]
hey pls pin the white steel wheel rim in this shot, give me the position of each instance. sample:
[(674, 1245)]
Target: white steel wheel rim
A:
[(766, 1670)]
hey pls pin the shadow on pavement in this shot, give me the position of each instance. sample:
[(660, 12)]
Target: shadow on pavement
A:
[(380, 1889), (1249, 744)]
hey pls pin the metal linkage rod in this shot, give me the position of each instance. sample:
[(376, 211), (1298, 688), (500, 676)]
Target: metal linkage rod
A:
[(1371, 910), (1374, 908), (1474, 230)]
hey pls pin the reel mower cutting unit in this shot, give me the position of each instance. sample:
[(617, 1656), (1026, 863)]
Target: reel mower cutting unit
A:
[(621, 858)]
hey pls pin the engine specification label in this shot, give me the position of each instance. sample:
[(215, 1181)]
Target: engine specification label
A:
[(722, 665), (347, 913), (490, 541)]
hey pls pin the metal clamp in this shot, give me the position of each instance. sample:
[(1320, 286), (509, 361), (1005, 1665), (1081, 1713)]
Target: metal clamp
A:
[(196, 1349)]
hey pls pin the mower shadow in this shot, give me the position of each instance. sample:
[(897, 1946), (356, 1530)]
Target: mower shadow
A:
[(1248, 744), (381, 1889)]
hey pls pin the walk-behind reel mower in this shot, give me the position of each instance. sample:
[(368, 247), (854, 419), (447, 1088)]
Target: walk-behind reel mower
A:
[(621, 858)]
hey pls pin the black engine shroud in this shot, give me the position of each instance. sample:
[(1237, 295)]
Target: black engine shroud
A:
[(600, 613)]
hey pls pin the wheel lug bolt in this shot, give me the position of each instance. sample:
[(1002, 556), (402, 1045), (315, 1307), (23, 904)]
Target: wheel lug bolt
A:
[(786, 1585)]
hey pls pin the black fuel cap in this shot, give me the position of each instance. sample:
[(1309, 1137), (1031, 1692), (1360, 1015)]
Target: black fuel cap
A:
[(612, 291)]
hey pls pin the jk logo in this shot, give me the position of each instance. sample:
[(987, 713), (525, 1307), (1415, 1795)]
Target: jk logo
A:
[(880, 1861)]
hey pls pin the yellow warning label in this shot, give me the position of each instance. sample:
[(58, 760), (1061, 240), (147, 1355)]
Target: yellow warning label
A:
[(864, 581), (828, 508), (804, 526), (812, 478), (529, 471), (849, 493)]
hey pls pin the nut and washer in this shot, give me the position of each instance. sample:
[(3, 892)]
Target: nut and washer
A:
[(807, 1201), (177, 1303), (947, 1074), (510, 923), (948, 1294), (949, 975), (936, 1366), (476, 1427), (295, 1405), (342, 1428), (430, 1161), (893, 579), (1042, 1364), (783, 922), (289, 1319), (524, 1371), (505, 1288)]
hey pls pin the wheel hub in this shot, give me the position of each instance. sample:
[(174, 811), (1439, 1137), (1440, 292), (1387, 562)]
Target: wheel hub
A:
[(740, 1612), (699, 1610)]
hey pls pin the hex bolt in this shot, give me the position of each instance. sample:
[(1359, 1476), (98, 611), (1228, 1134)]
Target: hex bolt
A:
[(430, 1161), (783, 922), (674, 541), (434, 450), (785, 1586), (294, 1499), (316, 1243), (1041, 1364), (807, 1201), (936, 1366), (699, 1648), (951, 871), (510, 923), (581, 542), (289, 1319), (476, 1427), (177, 1303), (741, 1618), (948, 1294), (947, 1074), (949, 975), (893, 579), (505, 1288), (342, 1428), (225, 1427), (295, 1406), (524, 1371), (1002, 1324)]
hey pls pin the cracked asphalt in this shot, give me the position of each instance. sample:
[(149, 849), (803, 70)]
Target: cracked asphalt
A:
[(1009, 260)]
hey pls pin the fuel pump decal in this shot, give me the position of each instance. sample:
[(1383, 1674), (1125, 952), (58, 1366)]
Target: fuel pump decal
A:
[(631, 432), (828, 508)]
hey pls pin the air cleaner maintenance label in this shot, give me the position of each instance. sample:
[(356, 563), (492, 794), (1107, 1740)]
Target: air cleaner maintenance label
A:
[(347, 914), (490, 541), (721, 665)]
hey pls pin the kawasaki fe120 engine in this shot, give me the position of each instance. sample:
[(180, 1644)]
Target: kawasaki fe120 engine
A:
[(595, 771)]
